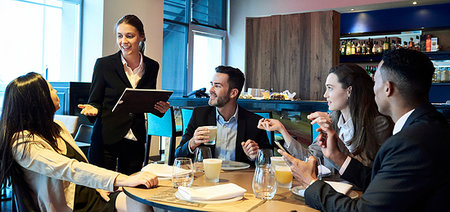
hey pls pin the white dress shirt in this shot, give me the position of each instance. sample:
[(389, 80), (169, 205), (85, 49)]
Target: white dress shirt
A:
[(134, 76)]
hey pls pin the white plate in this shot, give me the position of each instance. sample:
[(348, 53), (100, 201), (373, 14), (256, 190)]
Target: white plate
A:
[(162, 171), (300, 191), (179, 196), (229, 165)]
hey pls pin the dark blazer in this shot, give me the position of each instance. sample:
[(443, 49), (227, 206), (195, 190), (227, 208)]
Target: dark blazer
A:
[(411, 171), (108, 83), (247, 129)]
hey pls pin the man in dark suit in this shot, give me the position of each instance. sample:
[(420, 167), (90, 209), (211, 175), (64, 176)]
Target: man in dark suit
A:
[(238, 137), (411, 169)]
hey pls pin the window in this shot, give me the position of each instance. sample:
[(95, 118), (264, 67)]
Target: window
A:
[(40, 36), (194, 31)]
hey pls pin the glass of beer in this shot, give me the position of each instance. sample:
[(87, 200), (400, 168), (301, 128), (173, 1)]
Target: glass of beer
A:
[(212, 167), (283, 175), (212, 134)]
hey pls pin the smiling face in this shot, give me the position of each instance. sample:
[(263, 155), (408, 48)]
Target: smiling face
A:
[(128, 39), (337, 97), (54, 96), (219, 92)]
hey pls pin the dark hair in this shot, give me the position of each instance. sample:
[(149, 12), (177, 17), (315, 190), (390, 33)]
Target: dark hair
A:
[(410, 71), (363, 108), (137, 23), (27, 106), (235, 77)]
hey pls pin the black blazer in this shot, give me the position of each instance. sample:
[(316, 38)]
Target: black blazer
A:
[(108, 83), (247, 129), (411, 171)]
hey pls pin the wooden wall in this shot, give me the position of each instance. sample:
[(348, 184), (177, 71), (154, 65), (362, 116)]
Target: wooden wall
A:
[(292, 52)]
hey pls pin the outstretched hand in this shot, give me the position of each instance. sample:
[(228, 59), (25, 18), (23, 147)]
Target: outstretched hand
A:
[(88, 110)]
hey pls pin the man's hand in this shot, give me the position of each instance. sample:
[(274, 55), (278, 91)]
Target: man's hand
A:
[(162, 107), (305, 172), (88, 110), (328, 141), (140, 178), (200, 136), (250, 148)]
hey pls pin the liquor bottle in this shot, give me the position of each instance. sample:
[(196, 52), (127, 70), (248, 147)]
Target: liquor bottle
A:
[(386, 45), (348, 48), (353, 48), (375, 47), (399, 44), (428, 43), (358, 48), (364, 48), (369, 46), (343, 48), (393, 46)]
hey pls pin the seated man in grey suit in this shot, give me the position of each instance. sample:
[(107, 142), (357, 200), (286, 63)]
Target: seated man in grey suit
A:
[(238, 137), (411, 169)]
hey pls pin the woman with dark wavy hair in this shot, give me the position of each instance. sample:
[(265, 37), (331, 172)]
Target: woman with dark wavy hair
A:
[(355, 117), (46, 168)]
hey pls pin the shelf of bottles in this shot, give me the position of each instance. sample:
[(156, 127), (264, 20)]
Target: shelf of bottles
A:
[(371, 48)]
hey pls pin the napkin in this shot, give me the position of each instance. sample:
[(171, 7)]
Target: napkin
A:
[(218, 192), (340, 187), (163, 171), (323, 171)]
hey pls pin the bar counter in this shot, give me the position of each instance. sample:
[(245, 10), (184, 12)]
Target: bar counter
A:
[(252, 104)]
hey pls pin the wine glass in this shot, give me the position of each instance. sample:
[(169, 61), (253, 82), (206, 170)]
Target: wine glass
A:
[(182, 172), (201, 153), (264, 183)]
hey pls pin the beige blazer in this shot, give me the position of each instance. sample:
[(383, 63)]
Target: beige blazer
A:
[(52, 176)]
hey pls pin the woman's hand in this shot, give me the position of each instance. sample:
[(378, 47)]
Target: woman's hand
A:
[(162, 107), (270, 125), (88, 110), (140, 178), (321, 118)]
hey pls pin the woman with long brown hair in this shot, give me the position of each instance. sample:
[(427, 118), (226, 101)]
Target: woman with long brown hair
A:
[(355, 117), (47, 170)]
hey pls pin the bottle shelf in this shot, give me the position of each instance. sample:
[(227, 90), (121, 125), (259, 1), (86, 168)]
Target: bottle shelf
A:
[(439, 55)]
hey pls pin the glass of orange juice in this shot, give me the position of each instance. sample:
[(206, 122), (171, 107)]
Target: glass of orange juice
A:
[(283, 175)]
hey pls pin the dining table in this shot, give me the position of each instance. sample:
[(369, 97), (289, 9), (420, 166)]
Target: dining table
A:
[(163, 196)]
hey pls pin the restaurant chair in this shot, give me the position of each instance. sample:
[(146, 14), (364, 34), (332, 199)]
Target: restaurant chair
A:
[(186, 114), (83, 137), (162, 127), (71, 122)]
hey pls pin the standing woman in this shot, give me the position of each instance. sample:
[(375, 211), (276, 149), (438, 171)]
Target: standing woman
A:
[(355, 117), (118, 139), (47, 170)]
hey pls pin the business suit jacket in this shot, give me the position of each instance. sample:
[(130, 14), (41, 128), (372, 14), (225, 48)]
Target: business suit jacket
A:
[(411, 171), (247, 129), (108, 83)]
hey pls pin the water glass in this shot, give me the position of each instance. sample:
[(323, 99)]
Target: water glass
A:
[(201, 153), (263, 157), (182, 172), (264, 182)]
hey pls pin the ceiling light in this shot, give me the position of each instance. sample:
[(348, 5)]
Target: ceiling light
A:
[(414, 2), (352, 9)]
